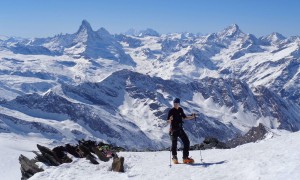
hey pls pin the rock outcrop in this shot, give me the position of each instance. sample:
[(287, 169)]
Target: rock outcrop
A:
[(28, 167), (89, 150), (253, 135)]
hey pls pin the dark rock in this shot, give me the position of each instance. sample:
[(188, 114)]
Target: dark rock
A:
[(85, 150), (48, 154), (253, 135), (118, 164), (41, 158), (53, 161), (59, 151), (209, 143), (28, 167), (45, 150), (88, 144), (61, 155), (72, 150), (92, 159), (210, 140), (58, 155)]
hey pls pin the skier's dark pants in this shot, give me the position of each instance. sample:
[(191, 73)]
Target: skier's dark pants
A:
[(186, 142)]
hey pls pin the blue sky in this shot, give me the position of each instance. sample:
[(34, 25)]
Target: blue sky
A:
[(42, 18)]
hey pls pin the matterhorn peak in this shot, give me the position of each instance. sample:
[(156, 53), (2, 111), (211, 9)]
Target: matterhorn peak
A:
[(85, 26)]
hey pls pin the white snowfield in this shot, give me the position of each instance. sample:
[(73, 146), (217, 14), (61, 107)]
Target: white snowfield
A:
[(276, 158)]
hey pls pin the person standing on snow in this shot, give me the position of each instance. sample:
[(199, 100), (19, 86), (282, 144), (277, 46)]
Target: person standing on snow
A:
[(175, 118)]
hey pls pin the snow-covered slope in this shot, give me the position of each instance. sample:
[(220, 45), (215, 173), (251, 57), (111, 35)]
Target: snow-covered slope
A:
[(274, 158), (271, 61), (129, 106)]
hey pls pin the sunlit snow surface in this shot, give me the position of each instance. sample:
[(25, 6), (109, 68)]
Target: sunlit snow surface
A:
[(275, 158)]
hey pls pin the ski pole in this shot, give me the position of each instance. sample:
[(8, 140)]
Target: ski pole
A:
[(200, 153), (171, 143), (170, 157), (198, 140)]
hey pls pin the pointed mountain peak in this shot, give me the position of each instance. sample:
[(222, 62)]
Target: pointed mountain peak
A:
[(234, 26), (274, 38), (277, 36), (231, 31), (85, 25)]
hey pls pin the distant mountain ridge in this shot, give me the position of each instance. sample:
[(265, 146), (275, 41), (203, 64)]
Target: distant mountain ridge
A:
[(119, 88)]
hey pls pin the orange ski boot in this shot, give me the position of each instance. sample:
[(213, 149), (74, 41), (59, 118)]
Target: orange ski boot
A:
[(175, 160), (188, 160)]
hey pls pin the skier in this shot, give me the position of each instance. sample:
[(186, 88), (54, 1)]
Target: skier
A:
[(175, 118)]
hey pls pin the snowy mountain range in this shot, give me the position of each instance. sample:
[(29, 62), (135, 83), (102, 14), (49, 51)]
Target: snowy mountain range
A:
[(119, 87)]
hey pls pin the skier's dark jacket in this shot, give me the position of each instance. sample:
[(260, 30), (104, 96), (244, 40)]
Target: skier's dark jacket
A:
[(177, 114)]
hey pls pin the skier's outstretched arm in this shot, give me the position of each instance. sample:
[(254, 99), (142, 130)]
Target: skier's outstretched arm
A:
[(192, 117)]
